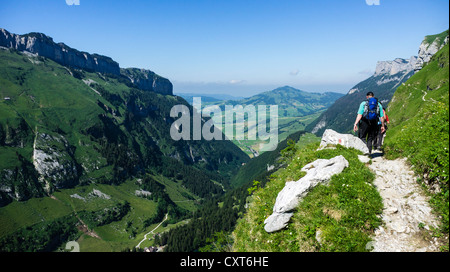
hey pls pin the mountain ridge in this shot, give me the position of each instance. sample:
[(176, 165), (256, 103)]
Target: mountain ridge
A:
[(43, 45), (291, 102)]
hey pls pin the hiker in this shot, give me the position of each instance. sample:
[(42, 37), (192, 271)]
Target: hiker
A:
[(379, 140), (369, 112)]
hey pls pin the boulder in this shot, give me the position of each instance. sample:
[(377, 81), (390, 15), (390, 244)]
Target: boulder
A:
[(331, 137), (277, 221), (317, 172)]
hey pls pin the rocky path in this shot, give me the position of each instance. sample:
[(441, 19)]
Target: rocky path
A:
[(407, 215)]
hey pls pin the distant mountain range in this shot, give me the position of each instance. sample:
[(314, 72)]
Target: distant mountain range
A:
[(208, 97), (388, 76), (291, 102)]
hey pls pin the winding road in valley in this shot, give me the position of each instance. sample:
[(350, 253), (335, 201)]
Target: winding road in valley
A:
[(145, 236)]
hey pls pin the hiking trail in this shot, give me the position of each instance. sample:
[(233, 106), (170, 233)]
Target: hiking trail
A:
[(407, 215)]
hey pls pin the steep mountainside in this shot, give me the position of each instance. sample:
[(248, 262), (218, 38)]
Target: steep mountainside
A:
[(61, 126), (430, 45), (419, 130)]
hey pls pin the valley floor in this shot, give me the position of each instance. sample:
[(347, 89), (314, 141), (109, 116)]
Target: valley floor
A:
[(407, 216)]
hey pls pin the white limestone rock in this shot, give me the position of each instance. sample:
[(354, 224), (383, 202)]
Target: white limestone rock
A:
[(331, 137), (53, 159), (427, 50), (317, 172), (396, 66)]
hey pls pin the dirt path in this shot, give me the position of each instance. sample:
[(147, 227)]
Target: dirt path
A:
[(145, 236), (407, 215)]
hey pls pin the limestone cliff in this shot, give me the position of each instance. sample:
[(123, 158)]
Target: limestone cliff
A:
[(396, 66), (43, 45), (147, 80), (430, 46)]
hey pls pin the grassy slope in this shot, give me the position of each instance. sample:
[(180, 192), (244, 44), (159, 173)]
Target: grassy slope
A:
[(47, 97), (419, 115), (441, 36), (345, 212)]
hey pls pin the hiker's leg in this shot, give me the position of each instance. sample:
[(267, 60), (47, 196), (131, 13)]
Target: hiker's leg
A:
[(375, 139), (372, 133), (363, 131), (379, 138), (382, 137)]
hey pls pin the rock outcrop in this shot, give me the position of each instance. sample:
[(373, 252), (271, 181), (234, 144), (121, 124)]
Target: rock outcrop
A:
[(427, 50), (317, 172), (331, 137), (148, 81), (53, 159), (396, 66)]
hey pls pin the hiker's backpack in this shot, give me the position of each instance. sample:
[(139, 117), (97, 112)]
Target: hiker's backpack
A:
[(371, 109)]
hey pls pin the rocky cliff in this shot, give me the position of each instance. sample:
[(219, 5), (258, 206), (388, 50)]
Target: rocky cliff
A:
[(43, 45), (396, 66), (430, 46), (147, 80)]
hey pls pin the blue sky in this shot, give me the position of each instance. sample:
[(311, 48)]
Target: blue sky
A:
[(238, 47)]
